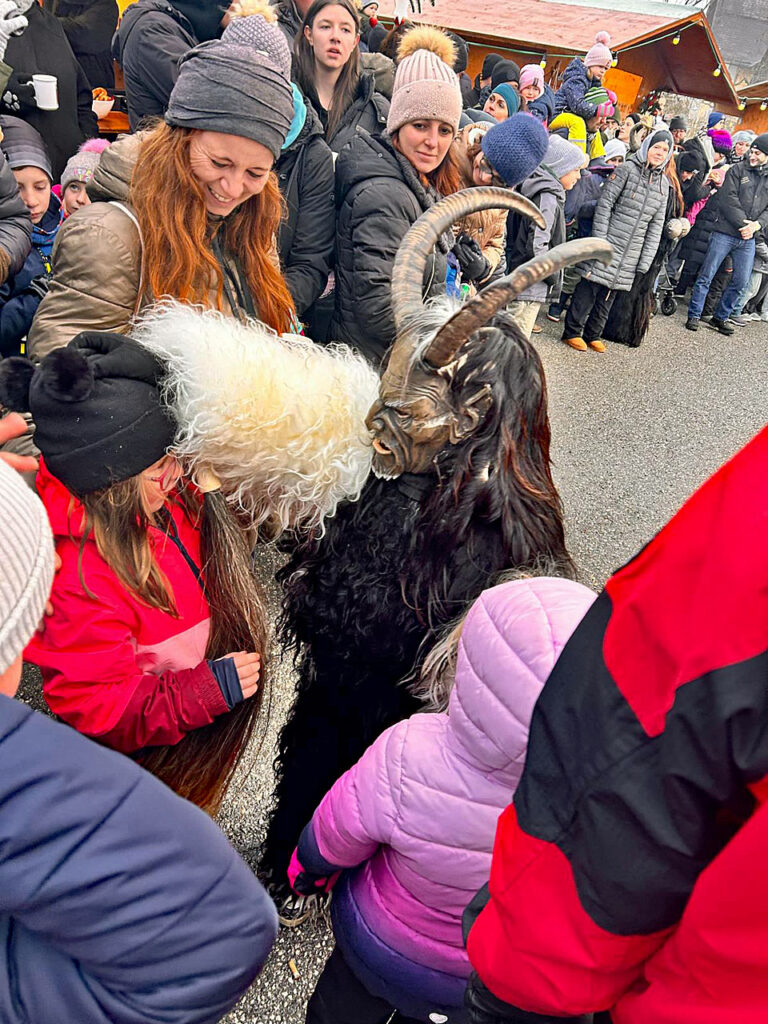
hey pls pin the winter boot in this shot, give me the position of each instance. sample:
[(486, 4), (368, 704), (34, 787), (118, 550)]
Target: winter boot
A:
[(723, 326)]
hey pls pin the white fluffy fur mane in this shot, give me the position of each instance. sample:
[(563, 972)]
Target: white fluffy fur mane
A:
[(278, 419)]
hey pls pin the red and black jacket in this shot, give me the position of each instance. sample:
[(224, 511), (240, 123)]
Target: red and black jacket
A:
[(630, 872)]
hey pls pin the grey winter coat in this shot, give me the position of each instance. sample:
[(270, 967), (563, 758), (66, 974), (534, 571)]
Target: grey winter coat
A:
[(630, 214), (526, 239)]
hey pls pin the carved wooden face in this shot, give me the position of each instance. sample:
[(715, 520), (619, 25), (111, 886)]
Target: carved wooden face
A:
[(415, 418)]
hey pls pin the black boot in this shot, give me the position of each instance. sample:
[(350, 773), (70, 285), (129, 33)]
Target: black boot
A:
[(722, 325), (692, 323)]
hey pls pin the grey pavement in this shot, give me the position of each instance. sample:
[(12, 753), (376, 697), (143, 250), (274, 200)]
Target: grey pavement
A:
[(635, 431)]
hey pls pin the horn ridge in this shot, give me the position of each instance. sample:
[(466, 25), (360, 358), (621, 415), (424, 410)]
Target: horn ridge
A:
[(414, 250), (479, 310)]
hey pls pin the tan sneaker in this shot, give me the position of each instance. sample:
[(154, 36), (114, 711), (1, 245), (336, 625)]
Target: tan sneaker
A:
[(597, 345), (578, 343)]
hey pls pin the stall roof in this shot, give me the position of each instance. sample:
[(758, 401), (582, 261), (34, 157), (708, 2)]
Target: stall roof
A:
[(754, 91), (564, 28)]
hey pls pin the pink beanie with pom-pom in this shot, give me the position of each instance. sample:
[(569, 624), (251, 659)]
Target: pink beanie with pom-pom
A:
[(599, 53)]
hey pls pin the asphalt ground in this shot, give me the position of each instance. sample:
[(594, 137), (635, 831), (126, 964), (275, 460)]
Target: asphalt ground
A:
[(635, 431)]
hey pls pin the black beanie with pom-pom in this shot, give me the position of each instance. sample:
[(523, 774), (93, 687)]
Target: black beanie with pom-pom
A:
[(98, 415)]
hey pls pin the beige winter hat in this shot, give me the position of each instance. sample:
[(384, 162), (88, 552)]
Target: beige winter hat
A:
[(426, 86)]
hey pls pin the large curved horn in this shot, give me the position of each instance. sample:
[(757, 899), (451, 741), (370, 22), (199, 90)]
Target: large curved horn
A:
[(479, 310), (408, 271)]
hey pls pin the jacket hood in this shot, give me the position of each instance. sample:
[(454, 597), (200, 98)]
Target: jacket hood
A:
[(112, 177), (542, 180), (511, 639), (135, 12)]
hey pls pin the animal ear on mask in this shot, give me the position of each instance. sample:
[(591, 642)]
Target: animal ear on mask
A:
[(471, 414)]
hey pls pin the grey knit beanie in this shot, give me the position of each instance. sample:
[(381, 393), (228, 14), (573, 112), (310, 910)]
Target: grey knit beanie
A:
[(235, 90), (27, 564), (256, 32), (562, 156)]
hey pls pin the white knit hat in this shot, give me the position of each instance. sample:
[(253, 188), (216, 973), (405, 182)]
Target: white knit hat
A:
[(26, 570)]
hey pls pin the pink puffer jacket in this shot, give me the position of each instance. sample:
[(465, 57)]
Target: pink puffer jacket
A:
[(418, 812)]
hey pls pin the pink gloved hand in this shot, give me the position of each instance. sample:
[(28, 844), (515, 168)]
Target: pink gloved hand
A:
[(612, 96), (605, 109), (305, 883)]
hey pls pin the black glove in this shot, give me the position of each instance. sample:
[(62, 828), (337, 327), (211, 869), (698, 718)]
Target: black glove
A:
[(38, 286), (19, 95), (485, 1008), (474, 266)]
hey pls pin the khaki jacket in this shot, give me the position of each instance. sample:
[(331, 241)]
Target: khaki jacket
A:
[(488, 227), (96, 260)]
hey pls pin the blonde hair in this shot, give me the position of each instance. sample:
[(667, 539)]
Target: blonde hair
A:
[(278, 419)]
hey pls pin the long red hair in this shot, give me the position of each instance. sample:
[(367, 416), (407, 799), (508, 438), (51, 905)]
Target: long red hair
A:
[(177, 259)]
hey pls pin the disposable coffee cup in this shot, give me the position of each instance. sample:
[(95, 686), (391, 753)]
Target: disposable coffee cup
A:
[(46, 92)]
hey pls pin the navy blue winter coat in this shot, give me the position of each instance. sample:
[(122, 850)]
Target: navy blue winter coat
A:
[(120, 903), (21, 293), (544, 106), (570, 95)]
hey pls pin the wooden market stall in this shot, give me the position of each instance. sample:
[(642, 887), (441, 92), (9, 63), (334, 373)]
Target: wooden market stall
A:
[(755, 114), (659, 46)]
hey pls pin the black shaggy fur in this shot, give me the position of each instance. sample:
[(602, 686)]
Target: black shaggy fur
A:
[(67, 374), (363, 604)]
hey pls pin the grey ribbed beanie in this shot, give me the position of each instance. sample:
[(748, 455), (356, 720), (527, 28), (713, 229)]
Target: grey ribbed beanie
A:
[(235, 90), (26, 564)]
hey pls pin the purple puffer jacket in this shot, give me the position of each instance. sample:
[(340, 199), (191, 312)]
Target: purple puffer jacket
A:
[(418, 811)]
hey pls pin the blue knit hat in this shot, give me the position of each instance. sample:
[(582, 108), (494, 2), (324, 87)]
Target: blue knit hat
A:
[(515, 147), (510, 96), (714, 119)]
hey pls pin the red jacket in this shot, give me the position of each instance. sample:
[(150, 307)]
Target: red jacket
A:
[(630, 872), (126, 674)]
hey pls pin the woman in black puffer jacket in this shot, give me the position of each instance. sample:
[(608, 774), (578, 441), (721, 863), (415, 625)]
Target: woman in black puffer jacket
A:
[(384, 183), (326, 66)]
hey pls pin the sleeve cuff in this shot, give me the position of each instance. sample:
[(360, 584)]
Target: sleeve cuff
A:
[(225, 674), (309, 854)]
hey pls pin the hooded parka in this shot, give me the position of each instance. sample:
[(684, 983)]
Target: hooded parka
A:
[(526, 239), (307, 235), (630, 214), (378, 197)]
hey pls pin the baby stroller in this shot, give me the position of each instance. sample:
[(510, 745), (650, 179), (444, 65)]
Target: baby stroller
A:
[(671, 269)]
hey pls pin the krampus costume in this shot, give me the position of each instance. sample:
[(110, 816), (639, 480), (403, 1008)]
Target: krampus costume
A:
[(462, 490), (270, 430)]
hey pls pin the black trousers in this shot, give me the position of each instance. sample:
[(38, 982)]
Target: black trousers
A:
[(588, 311), (340, 998)]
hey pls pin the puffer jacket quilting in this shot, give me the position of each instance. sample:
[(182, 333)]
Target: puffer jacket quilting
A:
[(423, 801), (377, 200), (630, 214), (570, 95)]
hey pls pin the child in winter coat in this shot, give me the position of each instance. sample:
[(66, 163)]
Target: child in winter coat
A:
[(416, 816), (120, 901), (133, 654), (77, 174), (21, 293), (582, 94), (546, 187), (630, 214)]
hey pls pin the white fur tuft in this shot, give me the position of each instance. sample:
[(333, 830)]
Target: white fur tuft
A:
[(279, 420)]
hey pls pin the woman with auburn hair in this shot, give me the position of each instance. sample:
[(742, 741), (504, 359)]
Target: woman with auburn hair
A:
[(326, 66), (190, 209), (385, 182)]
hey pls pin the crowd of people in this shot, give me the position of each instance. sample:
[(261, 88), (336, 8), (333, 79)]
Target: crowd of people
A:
[(264, 205)]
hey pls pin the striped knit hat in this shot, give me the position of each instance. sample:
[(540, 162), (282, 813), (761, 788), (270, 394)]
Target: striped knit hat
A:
[(27, 571)]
